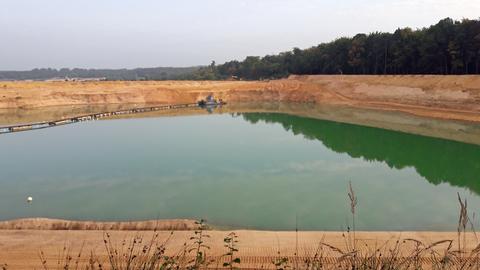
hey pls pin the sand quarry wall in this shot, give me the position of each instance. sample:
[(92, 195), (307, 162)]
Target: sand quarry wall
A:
[(448, 97)]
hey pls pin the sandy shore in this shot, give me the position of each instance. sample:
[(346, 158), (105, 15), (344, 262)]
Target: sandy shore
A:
[(21, 241), (445, 97), (20, 248)]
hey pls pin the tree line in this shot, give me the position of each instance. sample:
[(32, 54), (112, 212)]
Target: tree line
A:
[(448, 47), (159, 73)]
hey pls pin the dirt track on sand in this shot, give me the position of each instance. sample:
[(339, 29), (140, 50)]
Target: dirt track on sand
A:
[(445, 97)]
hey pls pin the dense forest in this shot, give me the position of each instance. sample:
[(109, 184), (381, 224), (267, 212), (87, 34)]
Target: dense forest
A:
[(160, 73), (449, 47)]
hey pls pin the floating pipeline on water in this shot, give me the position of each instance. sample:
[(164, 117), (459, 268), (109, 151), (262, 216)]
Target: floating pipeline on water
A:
[(97, 116)]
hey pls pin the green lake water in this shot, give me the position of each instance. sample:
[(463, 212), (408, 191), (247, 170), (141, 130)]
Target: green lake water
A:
[(254, 171)]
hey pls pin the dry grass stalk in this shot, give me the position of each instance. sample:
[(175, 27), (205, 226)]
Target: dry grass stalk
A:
[(353, 204)]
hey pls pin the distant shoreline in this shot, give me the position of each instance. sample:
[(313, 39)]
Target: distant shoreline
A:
[(443, 97), (52, 224), (461, 131)]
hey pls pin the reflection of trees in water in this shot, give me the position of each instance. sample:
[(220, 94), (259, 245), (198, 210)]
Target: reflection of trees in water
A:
[(435, 159)]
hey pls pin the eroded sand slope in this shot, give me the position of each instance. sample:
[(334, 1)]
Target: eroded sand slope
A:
[(447, 97)]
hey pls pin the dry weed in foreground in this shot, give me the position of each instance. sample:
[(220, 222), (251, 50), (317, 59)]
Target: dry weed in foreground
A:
[(231, 241)]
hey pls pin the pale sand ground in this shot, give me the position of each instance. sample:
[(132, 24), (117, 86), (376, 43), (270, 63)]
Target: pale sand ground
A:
[(19, 248)]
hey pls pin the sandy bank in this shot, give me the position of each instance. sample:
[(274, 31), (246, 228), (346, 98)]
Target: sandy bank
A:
[(22, 240), (19, 249), (446, 97)]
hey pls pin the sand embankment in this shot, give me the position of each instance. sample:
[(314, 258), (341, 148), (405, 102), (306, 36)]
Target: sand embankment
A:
[(60, 224), (445, 97)]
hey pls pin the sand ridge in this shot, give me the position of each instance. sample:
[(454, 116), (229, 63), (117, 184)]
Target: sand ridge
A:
[(60, 224)]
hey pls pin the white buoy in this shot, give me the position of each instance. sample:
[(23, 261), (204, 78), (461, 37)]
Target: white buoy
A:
[(29, 199)]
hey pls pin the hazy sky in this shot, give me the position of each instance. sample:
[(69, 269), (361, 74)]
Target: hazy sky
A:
[(147, 33)]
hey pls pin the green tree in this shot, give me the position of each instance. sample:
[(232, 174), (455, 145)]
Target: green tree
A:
[(448, 47)]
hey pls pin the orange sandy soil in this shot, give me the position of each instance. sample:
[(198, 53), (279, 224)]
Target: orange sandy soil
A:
[(445, 97)]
